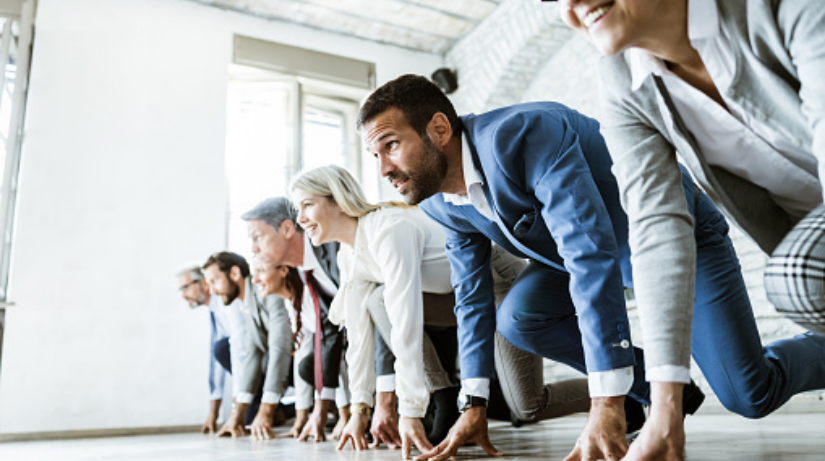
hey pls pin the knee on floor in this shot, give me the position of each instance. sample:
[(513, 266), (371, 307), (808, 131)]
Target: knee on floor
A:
[(526, 414)]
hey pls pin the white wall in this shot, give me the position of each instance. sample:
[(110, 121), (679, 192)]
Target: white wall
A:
[(122, 182)]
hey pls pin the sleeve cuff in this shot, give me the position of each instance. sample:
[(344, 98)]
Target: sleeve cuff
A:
[(385, 383), (610, 383), (303, 401), (411, 410), (271, 398), (342, 397), (669, 373), (479, 387), (216, 394), (327, 393), (244, 397), (363, 397)]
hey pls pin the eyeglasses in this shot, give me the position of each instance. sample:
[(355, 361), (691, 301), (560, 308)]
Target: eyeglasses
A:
[(187, 285)]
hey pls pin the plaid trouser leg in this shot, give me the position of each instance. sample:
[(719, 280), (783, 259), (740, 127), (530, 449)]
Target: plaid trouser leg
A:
[(795, 275)]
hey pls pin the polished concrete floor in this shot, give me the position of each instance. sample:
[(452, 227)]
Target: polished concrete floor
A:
[(714, 436)]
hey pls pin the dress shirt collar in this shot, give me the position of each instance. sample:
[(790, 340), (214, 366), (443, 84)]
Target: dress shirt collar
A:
[(472, 178), (703, 24), (311, 262)]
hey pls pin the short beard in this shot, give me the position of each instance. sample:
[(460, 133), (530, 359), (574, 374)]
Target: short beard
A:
[(234, 291), (427, 175)]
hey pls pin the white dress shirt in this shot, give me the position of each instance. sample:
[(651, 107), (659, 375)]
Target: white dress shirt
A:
[(229, 322), (740, 142), (311, 263), (743, 143), (403, 250), (601, 384)]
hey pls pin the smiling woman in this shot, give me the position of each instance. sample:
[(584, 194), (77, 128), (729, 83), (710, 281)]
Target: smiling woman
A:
[(396, 246), (733, 90)]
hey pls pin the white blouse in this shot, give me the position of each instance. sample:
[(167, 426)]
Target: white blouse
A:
[(403, 250)]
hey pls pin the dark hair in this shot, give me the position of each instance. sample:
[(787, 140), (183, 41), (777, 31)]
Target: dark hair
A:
[(296, 286), (416, 97), (225, 260)]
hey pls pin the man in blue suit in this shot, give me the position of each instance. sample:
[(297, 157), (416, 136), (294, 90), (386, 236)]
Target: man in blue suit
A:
[(535, 179)]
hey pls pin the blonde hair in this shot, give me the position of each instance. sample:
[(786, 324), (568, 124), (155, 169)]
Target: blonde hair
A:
[(336, 183)]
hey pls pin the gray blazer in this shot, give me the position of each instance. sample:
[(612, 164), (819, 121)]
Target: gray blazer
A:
[(269, 341), (779, 47)]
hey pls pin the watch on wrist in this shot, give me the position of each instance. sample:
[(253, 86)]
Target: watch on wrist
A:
[(465, 402), (361, 409)]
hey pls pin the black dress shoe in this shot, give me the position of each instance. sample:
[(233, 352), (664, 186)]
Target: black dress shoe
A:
[(692, 398), (635, 414)]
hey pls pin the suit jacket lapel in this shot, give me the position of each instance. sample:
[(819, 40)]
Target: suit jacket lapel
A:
[(327, 257), (745, 202), (497, 216)]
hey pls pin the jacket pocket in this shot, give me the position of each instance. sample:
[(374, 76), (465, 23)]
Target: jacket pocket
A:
[(523, 225)]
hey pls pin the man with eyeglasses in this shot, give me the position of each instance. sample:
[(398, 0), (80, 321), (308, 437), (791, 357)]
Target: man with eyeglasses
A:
[(227, 348)]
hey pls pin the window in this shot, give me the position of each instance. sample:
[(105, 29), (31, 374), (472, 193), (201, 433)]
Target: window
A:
[(279, 124), (15, 53)]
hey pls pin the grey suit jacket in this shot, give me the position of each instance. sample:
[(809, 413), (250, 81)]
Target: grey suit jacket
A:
[(269, 341), (779, 47)]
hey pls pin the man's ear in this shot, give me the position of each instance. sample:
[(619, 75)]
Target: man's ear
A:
[(235, 274), (439, 130), (287, 228)]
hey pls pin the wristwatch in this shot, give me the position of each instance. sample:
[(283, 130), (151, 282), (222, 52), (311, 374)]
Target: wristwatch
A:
[(466, 402), (361, 408)]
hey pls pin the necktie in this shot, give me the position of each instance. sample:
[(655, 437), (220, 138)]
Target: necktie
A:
[(312, 284)]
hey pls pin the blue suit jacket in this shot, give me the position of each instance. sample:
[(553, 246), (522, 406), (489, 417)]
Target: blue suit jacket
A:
[(546, 174)]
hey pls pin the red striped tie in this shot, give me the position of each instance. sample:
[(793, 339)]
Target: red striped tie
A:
[(312, 284)]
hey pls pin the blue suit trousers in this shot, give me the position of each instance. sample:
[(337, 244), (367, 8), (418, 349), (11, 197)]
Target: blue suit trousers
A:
[(538, 316)]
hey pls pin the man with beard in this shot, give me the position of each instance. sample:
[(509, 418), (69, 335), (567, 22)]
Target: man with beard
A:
[(269, 341), (535, 179), (228, 340)]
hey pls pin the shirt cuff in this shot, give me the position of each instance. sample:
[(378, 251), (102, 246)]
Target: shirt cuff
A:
[(409, 409), (303, 401), (244, 397), (271, 398), (341, 397), (610, 383), (385, 383), (669, 373), (478, 387), (327, 393), (363, 397)]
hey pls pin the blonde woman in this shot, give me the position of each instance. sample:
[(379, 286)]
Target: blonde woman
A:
[(399, 248)]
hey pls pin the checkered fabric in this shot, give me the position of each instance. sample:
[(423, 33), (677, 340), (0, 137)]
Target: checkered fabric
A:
[(795, 275)]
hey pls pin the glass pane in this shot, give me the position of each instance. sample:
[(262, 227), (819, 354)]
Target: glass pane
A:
[(6, 91), (325, 141), (259, 149)]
